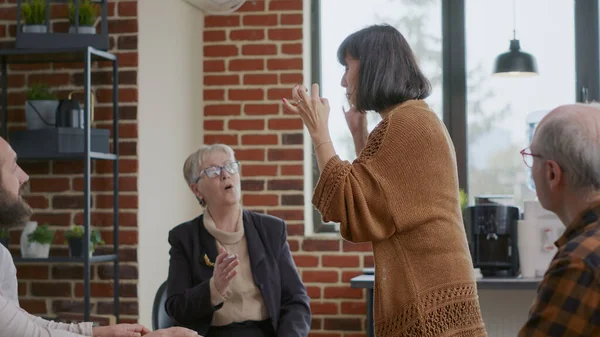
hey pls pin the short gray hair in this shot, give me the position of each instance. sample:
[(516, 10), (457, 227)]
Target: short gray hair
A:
[(574, 145), (192, 164)]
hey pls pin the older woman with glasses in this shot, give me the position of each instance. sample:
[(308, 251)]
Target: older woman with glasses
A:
[(231, 272)]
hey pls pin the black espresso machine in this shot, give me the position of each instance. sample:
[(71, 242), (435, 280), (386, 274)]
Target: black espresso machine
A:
[(492, 234)]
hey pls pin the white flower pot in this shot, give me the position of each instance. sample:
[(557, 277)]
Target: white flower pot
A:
[(83, 30), (35, 250), (35, 29)]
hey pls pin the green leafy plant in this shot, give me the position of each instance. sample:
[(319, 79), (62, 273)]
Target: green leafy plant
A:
[(40, 92), (464, 199), (34, 12), (88, 13), (3, 233), (77, 233), (41, 235)]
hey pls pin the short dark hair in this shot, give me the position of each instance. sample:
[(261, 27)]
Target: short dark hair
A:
[(388, 73)]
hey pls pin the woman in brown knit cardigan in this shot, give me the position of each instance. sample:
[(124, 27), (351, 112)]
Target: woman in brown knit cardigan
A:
[(401, 193)]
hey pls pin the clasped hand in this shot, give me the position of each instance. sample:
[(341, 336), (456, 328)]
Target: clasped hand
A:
[(224, 270)]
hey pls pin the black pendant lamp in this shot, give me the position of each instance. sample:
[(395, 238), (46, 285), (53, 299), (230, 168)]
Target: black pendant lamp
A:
[(515, 63)]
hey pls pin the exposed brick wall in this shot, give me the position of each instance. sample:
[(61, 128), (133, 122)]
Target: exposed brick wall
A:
[(56, 187), (252, 59)]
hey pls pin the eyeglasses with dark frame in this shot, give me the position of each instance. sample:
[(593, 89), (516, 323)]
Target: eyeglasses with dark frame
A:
[(232, 167), (528, 156)]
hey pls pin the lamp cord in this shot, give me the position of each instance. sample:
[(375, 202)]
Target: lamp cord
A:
[(514, 21)]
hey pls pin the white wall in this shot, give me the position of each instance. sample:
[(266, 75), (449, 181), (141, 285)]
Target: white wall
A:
[(170, 127)]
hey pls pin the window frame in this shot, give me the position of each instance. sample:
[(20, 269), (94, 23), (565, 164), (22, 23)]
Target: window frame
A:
[(454, 77)]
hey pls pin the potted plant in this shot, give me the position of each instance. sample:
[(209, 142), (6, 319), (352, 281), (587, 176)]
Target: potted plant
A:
[(38, 243), (34, 15), (88, 13), (40, 107), (74, 238), (4, 237)]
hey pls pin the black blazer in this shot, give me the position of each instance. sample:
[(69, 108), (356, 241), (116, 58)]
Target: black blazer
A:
[(273, 270)]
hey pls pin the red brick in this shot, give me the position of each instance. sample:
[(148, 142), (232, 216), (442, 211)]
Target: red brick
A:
[(313, 292), (126, 184), (288, 215), (260, 20), (320, 276), (247, 35), (128, 8), (291, 49), (105, 219), (54, 289), (316, 245), (32, 272), (96, 289), (259, 170), (221, 21), (125, 201), (246, 64), (294, 245), (247, 124), (292, 170), (259, 49), (306, 260), (53, 80), (285, 185), (316, 324), (291, 19), (260, 79), (222, 80), (294, 230), (214, 35), (37, 201), (34, 306), (127, 59), (368, 261), (126, 237), (250, 154), (213, 125), (214, 95), (211, 66), (348, 275), (285, 5), (259, 140), (125, 166), (253, 185), (8, 13), (285, 34), (260, 199), (246, 94), (55, 219), (122, 26), (222, 110), (356, 247), (342, 324), (354, 308), (284, 64), (125, 95), (343, 292), (293, 200), (285, 124), (67, 201), (220, 138), (286, 154), (320, 308), (262, 109), (341, 261), (291, 78), (220, 50)]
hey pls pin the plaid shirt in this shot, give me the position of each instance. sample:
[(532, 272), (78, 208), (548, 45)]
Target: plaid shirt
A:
[(568, 298)]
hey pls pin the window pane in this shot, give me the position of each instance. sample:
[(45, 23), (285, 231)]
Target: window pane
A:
[(418, 20), (499, 107)]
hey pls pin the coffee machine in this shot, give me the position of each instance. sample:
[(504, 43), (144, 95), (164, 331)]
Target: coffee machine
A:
[(492, 234)]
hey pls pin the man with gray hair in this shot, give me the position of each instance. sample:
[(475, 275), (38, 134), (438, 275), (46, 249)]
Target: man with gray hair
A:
[(565, 164)]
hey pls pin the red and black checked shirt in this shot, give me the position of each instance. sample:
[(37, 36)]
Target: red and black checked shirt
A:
[(568, 298)]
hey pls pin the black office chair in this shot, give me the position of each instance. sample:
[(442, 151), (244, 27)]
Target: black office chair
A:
[(160, 318)]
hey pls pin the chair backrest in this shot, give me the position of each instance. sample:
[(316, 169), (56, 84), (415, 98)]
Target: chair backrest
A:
[(160, 318)]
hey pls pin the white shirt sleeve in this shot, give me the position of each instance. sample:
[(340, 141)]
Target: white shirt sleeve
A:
[(15, 322), (8, 277)]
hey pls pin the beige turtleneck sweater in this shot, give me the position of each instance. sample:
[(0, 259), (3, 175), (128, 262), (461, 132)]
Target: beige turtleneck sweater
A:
[(243, 300)]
